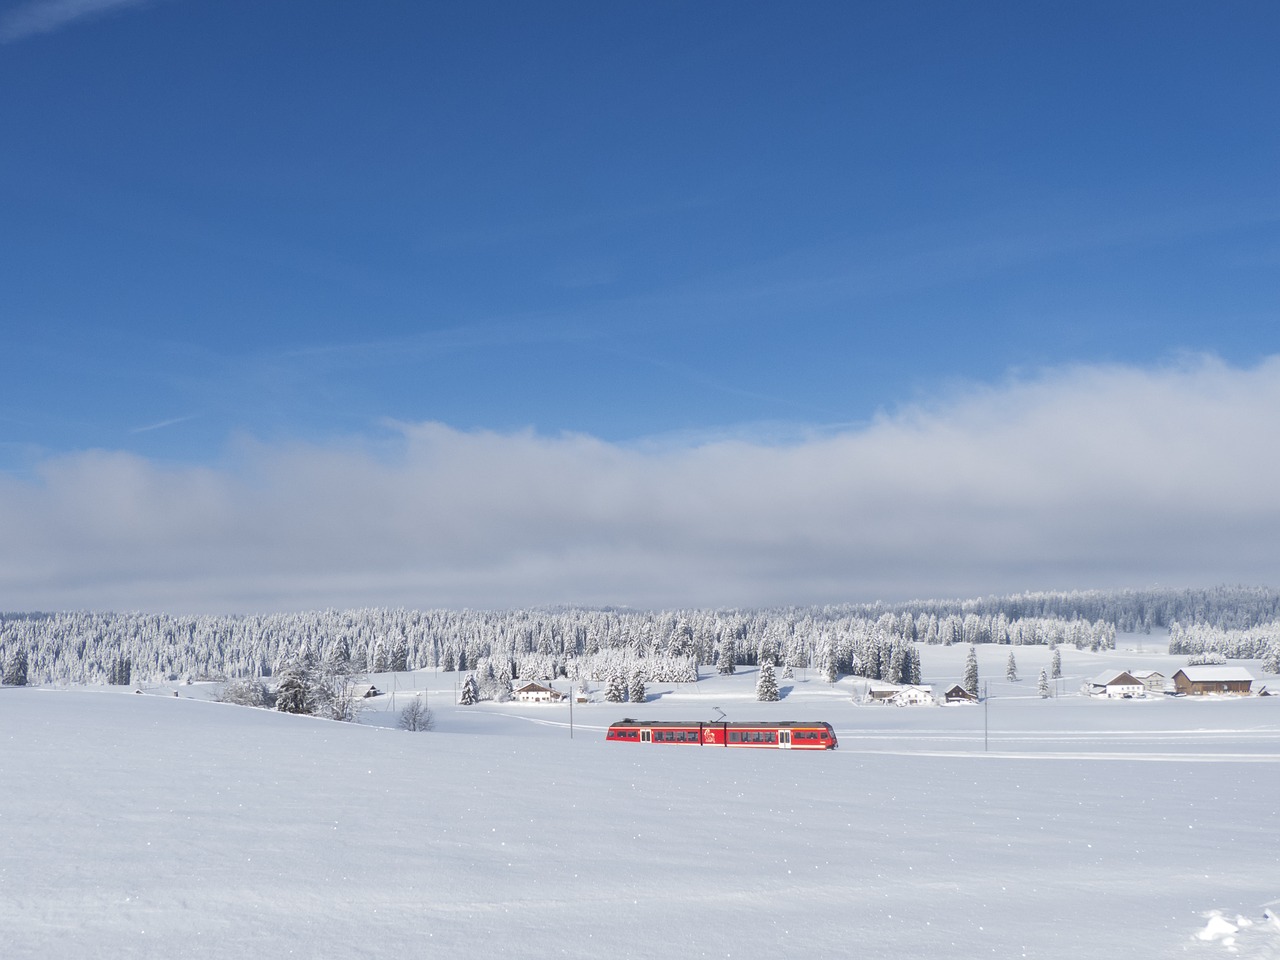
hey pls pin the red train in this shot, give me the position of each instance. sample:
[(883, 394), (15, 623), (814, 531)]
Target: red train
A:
[(784, 734)]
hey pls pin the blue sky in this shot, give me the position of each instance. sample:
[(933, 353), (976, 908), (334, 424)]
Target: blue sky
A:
[(259, 226)]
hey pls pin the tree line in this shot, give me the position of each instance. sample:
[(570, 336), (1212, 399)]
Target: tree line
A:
[(124, 648)]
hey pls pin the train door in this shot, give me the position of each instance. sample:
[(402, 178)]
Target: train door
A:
[(646, 736), (784, 739)]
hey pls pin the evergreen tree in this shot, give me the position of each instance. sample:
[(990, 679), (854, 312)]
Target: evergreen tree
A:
[(725, 664), (1043, 686), (636, 690), (398, 660), (1271, 661), (766, 683), (971, 671), (1055, 665), (120, 671), (1011, 669), (914, 675), (616, 691), (296, 691), (470, 693), (897, 664), (15, 669), (449, 665)]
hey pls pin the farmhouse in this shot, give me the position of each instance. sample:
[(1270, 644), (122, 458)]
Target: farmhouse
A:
[(907, 695), (1117, 685), (914, 695), (1152, 680), (881, 692), (536, 693), (1198, 681)]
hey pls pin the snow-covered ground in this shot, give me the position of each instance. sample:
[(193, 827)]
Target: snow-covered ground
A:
[(150, 826)]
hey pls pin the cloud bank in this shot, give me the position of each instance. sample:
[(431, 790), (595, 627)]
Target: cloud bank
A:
[(46, 16), (1080, 477)]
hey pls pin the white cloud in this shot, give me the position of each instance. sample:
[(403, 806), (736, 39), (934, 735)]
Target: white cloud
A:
[(1082, 477), (46, 16)]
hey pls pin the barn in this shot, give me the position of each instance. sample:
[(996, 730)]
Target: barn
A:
[(958, 694), (1199, 681)]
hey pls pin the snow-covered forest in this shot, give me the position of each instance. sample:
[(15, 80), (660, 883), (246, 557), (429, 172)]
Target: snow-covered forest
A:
[(865, 640), (1261, 642)]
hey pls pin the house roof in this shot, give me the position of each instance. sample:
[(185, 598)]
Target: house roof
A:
[(1216, 674), (1114, 678), (532, 687), (1145, 675)]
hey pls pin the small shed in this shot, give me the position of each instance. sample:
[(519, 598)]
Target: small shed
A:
[(536, 693), (1199, 681), (1122, 685), (958, 694), (363, 691)]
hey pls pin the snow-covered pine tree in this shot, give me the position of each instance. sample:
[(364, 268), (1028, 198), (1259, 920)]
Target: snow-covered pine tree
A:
[(897, 661), (470, 693), (398, 660), (1271, 661), (636, 690), (766, 683), (914, 675), (971, 671), (616, 691), (1055, 665), (1011, 669), (725, 664), (295, 693), (1042, 687), (15, 669)]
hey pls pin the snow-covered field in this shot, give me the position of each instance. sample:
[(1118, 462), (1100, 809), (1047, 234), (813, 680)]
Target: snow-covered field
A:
[(150, 826)]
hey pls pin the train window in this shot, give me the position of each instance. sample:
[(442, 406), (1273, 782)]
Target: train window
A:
[(735, 736)]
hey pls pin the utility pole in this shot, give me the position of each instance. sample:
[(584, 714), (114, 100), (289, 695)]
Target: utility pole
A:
[(571, 711)]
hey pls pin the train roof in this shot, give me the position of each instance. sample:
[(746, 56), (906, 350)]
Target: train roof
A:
[(686, 724)]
